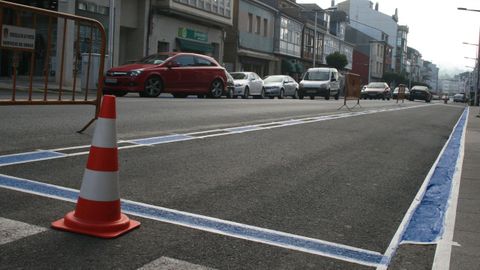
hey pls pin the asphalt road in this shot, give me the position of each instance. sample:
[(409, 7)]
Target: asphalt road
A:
[(347, 181)]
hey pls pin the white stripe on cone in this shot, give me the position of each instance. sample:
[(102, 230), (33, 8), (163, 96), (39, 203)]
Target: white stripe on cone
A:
[(105, 134), (100, 186)]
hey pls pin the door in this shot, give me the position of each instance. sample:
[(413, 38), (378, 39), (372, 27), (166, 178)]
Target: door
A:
[(180, 77)]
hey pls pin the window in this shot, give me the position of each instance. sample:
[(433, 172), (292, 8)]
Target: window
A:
[(265, 27), (103, 10), (185, 61), (82, 6), (92, 7), (203, 62), (163, 47), (250, 22), (259, 24)]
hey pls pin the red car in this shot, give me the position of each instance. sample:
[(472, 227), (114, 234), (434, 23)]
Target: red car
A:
[(180, 74)]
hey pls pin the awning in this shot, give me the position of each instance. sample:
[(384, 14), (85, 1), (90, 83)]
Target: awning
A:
[(194, 46)]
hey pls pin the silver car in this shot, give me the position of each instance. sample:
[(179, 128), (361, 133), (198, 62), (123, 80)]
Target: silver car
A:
[(280, 86), (247, 84)]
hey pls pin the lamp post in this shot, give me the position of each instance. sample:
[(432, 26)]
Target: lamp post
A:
[(315, 39), (478, 55)]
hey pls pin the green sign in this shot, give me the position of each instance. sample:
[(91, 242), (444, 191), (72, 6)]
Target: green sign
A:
[(192, 34)]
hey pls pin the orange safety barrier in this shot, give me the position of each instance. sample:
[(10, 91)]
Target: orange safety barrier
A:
[(352, 89), (401, 93), (32, 41)]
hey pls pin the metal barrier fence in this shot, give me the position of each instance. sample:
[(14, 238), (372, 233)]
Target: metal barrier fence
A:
[(352, 90), (32, 39), (401, 93)]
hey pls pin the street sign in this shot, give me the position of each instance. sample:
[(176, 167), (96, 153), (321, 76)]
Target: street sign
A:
[(18, 37)]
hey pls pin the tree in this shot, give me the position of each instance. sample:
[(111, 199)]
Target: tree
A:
[(337, 60), (394, 79)]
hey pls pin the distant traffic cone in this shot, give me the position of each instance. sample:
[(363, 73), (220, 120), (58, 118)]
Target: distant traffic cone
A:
[(98, 210)]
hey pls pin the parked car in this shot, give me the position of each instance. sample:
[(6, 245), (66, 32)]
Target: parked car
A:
[(460, 98), (247, 84), (395, 93), (230, 86), (180, 74), (420, 92), (280, 86), (376, 90), (320, 82)]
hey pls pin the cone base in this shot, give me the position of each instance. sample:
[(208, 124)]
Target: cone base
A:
[(113, 229)]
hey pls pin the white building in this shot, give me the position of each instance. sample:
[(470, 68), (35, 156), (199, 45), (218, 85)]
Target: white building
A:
[(367, 19)]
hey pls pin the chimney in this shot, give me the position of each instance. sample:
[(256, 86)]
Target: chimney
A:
[(333, 3), (376, 6)]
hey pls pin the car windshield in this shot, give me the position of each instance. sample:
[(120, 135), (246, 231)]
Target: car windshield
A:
[(154, 59), (316, 76), (376, 85), (273, 79), (239, 76)]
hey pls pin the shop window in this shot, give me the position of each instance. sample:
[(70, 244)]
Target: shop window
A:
[(163, 47)]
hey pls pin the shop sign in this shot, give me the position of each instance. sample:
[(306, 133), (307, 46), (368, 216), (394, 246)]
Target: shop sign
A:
[(18, 37), (192, 34)]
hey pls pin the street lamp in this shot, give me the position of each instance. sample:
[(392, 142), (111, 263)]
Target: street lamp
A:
[(314, 33)]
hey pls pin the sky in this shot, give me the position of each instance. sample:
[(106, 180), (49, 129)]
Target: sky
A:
[(436, 29)]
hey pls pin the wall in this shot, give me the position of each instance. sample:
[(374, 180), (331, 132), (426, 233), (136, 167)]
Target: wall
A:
[(255, 41)]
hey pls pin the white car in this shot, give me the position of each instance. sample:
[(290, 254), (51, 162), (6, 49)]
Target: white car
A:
[(280, 86), (247, 84)]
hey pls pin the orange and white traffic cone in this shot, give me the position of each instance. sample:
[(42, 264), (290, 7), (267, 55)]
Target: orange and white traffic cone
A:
[(98, 210)]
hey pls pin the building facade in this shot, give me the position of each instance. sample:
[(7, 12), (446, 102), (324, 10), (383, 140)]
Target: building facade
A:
[(367, 19), (401, 51), (249, 43)]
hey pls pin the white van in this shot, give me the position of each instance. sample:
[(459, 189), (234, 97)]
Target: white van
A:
[(323, 82)]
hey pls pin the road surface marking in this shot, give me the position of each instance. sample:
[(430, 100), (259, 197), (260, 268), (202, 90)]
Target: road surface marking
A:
[(29, 157), (12, 230), (397, 238), (209, 224), (151, 141), (166, 263), (443, 251)]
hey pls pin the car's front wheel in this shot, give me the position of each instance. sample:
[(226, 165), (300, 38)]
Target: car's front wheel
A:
[(153, 87), (282, 94), (246, 93), (216, 89), (295, 95)]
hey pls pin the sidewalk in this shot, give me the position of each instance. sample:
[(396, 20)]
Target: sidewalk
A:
[(467, 224)]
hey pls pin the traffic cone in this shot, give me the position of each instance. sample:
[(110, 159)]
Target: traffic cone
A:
[(98, 210)]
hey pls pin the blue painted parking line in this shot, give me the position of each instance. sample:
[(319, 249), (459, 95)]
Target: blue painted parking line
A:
[(162, 139), (424, 221), (28, 157), (427, 223), (209, 224)]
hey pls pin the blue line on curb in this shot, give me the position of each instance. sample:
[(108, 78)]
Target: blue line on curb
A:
[(204, 223), (163, 139), (427, 222), (27, 157)]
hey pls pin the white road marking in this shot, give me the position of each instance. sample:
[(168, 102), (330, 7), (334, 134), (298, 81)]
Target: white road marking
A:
[(166, 263), (443, 252), (12, 230)]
